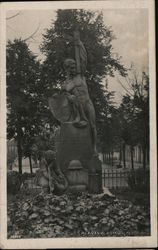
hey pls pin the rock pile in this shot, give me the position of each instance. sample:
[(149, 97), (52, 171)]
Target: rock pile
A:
[(47, 216)]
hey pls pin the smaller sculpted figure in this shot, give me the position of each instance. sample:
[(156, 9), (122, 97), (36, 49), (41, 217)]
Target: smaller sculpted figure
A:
[(50, 176)]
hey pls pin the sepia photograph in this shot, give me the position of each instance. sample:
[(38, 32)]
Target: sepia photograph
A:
[(78, 106)]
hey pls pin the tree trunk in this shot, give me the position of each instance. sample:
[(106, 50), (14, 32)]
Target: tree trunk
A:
[(19, 147), (124, 155), (106, 158), (120, 156), (144, 157), (103, 157), (109, 158), (19, 144), (132, 157), (112, 158), (30, 161)]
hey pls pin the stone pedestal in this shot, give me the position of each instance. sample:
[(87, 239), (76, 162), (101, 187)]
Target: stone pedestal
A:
[(95, 176), (76, 160), (73, 144), (94, 183)]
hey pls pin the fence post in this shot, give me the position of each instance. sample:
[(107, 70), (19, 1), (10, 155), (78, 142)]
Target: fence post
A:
[(120, 179), (112, 173), (104, 177)]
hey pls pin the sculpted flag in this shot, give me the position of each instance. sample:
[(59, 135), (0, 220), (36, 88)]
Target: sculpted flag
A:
[(83, 57), (60, 108), (80, 54)]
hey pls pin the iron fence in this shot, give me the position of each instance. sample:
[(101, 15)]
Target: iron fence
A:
[(114, 179)]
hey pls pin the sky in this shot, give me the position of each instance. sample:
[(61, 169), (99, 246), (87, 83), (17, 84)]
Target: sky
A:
[(130, 27)]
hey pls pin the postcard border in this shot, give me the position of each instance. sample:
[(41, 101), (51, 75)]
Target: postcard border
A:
[(101, 242)]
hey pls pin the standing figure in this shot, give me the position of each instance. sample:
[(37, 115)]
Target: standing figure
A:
[(74, 104), (76, 87)]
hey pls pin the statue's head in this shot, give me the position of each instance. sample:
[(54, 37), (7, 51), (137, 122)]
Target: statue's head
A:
[(50, 155), (70, 66)]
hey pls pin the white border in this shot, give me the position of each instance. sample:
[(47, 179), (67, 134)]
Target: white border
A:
[(101, 242)]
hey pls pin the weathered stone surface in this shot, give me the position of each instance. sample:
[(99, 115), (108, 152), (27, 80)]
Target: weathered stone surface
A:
[(73, 144), (95, 176), (77, 175), (74, 152), (75, 165), (60, 107), (94, 183), (95, 165), (77, 188)]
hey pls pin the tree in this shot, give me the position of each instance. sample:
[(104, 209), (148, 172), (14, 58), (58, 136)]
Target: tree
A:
[(106, 128), (22, 95), (141, 102), (134, 114), (128, 125), (58, 44)]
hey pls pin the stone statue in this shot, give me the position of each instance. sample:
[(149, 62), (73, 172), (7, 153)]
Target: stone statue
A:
[(80, 110), (49, 176), (76, 140)]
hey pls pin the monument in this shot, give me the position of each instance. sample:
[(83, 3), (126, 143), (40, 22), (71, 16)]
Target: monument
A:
[(76, 148)]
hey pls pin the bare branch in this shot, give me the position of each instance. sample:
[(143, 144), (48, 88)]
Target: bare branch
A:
[(32, 35), (125, 88), (137, 86), (128, 82), (8, 18)]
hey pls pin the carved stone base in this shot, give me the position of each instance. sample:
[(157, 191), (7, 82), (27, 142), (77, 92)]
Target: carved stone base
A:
[(77, 177), (75, 158), (76, 188)]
